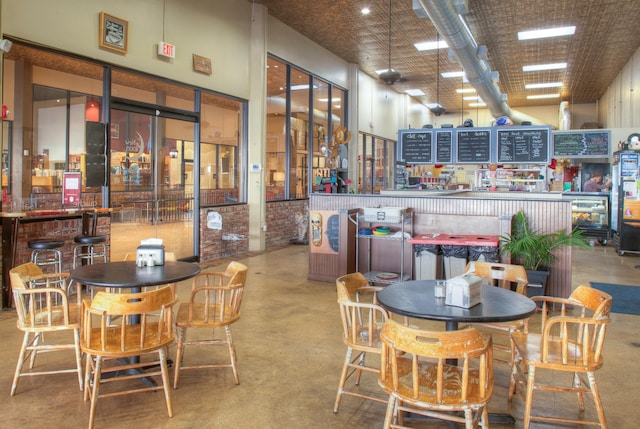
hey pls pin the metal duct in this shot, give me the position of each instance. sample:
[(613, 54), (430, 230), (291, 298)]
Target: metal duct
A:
[(454, 31)]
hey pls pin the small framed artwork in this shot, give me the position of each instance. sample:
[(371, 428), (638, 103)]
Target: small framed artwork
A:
[(113, 33), (202, 64)]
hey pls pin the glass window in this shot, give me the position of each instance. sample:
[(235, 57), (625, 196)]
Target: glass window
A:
[(298, 154), (376, 163)]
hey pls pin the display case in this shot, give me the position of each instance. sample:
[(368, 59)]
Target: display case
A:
[(590, 214), (383, 251), (513, 179)]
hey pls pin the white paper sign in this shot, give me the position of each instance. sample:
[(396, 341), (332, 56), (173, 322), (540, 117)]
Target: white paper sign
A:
[(214, 220)]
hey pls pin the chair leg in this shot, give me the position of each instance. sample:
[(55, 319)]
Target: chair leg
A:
[(76, 339), (577, 384), (596, 399), (232, 353), (181, 333), (87, 376), (95, 391), (484, 421), (343, 378), (34, 348), (165, 381), (361, 363), (529, 396), (468, 418), (23, 350), (391, 413)]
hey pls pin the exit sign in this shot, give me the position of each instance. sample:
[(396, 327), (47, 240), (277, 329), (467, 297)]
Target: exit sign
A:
[(166, 50)]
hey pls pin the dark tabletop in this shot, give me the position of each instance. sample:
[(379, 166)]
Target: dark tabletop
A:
[(126, 274), (416, 299)]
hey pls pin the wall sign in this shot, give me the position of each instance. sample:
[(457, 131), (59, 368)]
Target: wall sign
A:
[(581, 144), (525, 145), (473, 145), (71, 188), (444, 146), (415, 146)]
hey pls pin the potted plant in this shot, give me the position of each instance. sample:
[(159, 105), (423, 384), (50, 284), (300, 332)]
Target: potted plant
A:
[(535, 250)]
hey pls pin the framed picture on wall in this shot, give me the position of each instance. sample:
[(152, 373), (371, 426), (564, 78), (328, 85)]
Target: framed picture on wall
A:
[(113, 33)]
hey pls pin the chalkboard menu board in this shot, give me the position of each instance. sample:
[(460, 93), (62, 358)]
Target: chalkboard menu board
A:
[(581, 144), (444, 146), (473, 145), (415, 146), (526, 145)]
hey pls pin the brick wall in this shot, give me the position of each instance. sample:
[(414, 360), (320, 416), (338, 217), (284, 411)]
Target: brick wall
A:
[(281, 223), (235, 224)]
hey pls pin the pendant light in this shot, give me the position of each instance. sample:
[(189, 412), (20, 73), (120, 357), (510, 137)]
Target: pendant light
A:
[(437, 109), (390, 76)]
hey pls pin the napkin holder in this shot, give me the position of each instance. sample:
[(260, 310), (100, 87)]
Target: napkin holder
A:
[(464, 291), (147, 252)]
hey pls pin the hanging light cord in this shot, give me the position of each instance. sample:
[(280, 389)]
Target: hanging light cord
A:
[(389, 35), (438, 67)]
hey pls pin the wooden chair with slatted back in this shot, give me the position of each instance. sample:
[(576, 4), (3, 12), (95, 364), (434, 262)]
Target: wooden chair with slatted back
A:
[(571, 341), (216, 298), (507, 276), (362, 319), (121, 328), (50, 307), (436, 374)]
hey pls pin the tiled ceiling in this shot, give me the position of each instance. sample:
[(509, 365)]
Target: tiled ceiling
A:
[(606, 37)]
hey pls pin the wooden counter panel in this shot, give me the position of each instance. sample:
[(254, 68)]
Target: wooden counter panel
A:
[(547, 215)]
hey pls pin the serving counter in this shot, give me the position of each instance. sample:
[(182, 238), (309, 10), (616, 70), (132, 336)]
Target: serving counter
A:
[(460, 212), (20, 227)]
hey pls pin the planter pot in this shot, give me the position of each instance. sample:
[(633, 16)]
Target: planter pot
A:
[(537, 282)]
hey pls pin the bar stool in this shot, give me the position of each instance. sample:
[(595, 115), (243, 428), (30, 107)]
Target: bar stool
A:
[(46, 254), (89, 247)]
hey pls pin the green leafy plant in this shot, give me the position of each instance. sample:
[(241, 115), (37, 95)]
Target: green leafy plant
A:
[(533, 249)]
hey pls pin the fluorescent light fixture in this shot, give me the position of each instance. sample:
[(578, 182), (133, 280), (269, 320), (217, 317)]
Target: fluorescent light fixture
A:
[(547, 32), (452, 74), (430, 46), (300, 87), (465, 90), (324, 100), (365, 11), (539, 67), (534, 97), (543, 85), (477, 104), (415, 92), (471, 97)]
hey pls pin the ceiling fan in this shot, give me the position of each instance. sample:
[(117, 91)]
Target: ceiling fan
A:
[(390, 76)]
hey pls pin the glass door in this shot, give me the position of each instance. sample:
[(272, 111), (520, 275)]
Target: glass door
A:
[(151, 182)]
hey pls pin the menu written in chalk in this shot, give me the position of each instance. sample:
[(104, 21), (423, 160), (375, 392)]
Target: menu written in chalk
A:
[(415, 146), (444, 147), (474, 146), (523, 145), (582, 144)]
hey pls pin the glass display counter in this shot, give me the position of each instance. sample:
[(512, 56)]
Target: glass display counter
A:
[(590, 214)]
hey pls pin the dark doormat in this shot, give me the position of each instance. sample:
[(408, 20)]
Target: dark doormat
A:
[(626, 299)]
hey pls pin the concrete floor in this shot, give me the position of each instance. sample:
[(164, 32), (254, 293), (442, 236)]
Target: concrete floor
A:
[(290, 354)]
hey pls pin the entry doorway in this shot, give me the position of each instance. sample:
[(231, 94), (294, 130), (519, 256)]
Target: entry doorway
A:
[(149, 193)]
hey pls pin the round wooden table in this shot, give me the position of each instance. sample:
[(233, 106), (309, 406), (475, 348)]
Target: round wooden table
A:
[(416, 299), (125, 274)]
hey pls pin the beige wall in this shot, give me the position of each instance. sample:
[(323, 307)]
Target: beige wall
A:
[(193, 26)]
